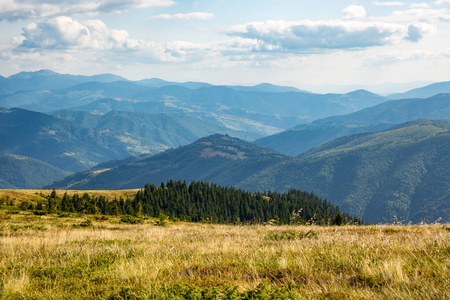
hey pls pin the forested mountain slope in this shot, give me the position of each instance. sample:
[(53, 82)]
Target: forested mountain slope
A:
[(27, 173), (305, 137), (218, 158), (402, 173), (63, 144)]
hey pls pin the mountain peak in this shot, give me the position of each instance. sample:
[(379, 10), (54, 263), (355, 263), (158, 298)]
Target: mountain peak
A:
[(219, 145), (26, 75), (363, 93)]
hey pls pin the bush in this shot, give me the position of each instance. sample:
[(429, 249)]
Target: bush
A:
[(128, 219), (40, 213), (162, 221), (85, 223)]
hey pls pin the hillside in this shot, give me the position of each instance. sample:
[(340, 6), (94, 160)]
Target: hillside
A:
[(424, 92), (218, 158), (169, 130), (46, 79), (63, 144), (260, 110), (25, 172), (401, 173), (305, 137)]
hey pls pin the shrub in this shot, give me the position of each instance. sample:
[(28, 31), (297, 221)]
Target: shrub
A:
[(85, 223), (40, 213), (128, 219)]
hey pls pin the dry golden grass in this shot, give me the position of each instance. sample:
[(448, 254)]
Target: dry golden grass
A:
[(18, 195), (46, 257)]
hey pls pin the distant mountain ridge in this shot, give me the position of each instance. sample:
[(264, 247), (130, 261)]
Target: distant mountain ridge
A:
[(304, 137), (398, 174), (46, 79), (63, 144), (259, 110), (218, 158), (424, 92)]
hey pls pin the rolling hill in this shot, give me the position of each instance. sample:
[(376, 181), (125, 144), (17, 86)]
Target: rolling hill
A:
[(27, 173), (169, 130), (401, 173), (260, 110), (46, 79), (424, 92), (398, 174), (64, 144), (217, 158), (305, 137)]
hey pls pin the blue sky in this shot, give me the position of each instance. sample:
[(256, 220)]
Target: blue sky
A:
[(230, 42)]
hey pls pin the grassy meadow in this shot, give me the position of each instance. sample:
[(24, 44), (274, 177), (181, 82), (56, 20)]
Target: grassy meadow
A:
[(65, 257)]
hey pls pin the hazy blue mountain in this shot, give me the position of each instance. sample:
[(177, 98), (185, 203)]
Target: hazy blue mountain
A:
[(64, 144), (399, 173), (218, 158), (169, 130), (26, 173), (267, 88), (304, 137), (80, 94), (158, 83), (263, 87), (46, 79), (259, 110), (424, 92)]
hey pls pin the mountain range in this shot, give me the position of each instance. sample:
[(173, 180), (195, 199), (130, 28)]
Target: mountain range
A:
[(397, 174), (381, 159), (260, 110), (304, 137), (79, 140), (218, 158)]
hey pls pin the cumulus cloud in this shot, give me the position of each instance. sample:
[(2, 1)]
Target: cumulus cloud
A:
[(442, 2), (388, 3), (419, 5), (337, 34), (354, 12), (13, 10), (64, 34), (189, 16)]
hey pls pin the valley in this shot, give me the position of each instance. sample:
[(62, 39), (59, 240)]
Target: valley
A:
[(380, 159)]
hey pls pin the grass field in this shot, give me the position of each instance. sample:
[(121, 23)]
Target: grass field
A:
[(51, 257), (18, 195)]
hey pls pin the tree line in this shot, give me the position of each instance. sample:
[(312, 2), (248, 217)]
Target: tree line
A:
[(206, 202)]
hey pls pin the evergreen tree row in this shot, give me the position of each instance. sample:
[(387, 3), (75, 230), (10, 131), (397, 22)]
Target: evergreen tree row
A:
[(205, 202)]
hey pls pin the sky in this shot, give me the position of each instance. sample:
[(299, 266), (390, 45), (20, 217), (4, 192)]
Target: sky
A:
[(315, 43)]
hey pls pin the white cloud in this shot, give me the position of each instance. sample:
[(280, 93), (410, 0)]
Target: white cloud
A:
[(189, 16), (13, 10), (419, 5), (65, 33), (442, 2), (388, 3), (354, 12), (337, 34), (419, 15)]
